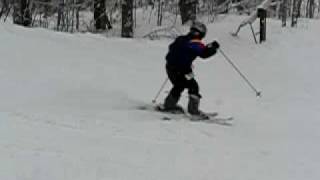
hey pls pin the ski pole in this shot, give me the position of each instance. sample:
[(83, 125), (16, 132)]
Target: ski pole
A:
[(258, 93), (161, 88)]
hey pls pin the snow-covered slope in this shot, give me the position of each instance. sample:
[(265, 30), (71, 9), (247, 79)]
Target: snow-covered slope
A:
[(68, 108)]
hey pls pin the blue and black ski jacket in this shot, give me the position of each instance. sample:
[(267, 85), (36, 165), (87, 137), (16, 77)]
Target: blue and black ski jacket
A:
[(184, 50)]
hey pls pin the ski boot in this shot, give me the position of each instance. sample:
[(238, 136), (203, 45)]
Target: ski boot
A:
[(170, 105), (193, 108)]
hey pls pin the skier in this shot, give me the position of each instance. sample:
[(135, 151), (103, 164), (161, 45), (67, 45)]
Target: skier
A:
[(182, 52)]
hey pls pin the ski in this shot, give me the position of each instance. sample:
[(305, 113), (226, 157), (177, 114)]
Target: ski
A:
[(212, 117), (226, 121)]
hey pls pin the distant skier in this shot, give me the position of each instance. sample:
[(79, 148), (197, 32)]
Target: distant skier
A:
[(182, 52)]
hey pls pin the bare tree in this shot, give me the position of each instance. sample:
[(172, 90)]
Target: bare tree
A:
[(296, 12), (60, 13), (284, 11), (127, 19), (64, 15), (310, 8), (22, 14), (5, 6), (188, 10), (160, 12), (318, 7), (100, 14)]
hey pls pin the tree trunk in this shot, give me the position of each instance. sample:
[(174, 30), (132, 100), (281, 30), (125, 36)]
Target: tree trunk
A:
[(109, 25), (295, 12), (284, 11), (100, 14), (127, 19), (219, 2), (188, 10), (310, 8), (160, 12), (318, 7), (4, 8), (299, 8), (5, 3), (22, 14), (60, 14), (78, 18)]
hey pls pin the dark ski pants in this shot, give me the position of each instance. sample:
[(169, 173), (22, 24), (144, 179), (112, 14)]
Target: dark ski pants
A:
[(180, 83)]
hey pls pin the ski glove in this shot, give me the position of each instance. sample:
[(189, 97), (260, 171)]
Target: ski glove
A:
[(214, 45), (210, 49), (189, 76)]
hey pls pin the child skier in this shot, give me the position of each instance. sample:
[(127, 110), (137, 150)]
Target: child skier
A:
[(182, 52)]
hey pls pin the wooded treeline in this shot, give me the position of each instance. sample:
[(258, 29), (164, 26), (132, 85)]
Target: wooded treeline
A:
[(102, 15)]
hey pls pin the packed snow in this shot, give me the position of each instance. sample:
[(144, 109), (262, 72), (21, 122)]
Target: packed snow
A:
[(69, 107)]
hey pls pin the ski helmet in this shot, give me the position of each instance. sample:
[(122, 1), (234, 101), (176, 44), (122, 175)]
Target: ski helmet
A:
[(198, 27)]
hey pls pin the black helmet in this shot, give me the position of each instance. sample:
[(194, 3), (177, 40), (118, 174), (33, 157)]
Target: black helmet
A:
[(198, 28)]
